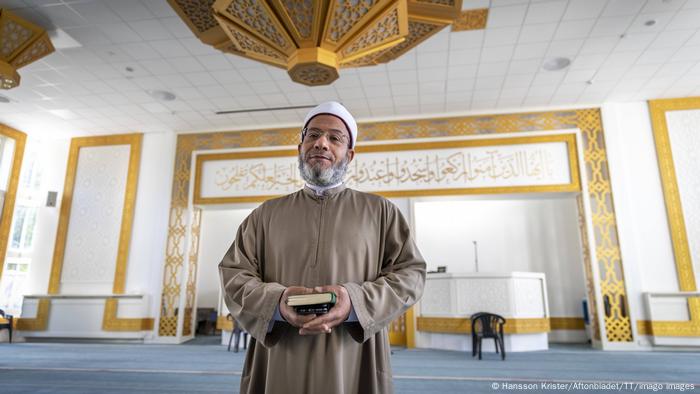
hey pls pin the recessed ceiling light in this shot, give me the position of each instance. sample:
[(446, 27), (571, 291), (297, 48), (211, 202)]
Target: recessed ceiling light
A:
[(4, 99), (556, 64), (650, 22), (64, 113), (162, 95)]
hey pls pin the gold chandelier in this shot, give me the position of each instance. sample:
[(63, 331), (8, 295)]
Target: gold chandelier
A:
[(21, 43), (313, 39)]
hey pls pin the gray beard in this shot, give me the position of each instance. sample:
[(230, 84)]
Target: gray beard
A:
[(323, 177)]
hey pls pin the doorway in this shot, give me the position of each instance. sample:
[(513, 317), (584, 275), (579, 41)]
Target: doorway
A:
[(218, 230), (500, 234)]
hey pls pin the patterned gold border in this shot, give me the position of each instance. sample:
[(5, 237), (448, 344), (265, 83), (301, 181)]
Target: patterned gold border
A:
[(570, 139), (616, 326), (110, 320), (462, 325), (668, 328), (674, 211), (676, 221), (134, 141), (567, 323), (9, 207), (40, 321)]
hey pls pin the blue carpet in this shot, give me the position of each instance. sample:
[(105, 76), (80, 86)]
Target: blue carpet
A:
[(204, 366)]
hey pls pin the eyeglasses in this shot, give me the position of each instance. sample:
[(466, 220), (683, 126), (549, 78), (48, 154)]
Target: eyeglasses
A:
[(312, 134)]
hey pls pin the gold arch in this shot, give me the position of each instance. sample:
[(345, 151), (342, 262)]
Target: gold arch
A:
[(617, 323)]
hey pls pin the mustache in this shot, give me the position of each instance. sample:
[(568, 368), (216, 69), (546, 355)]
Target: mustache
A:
[(310, 155)]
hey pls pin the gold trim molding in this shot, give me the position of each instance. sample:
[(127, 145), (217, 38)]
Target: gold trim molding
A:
[(667, 171), (570, 139), (134, 141), (8, 208), (666, 328), (38, 323), (462, 325), (110, 321), (513, 326), (567, 323), (676, 220), (605, 251)]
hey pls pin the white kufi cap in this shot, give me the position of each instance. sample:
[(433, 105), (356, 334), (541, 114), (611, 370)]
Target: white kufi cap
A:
[(337, 110)]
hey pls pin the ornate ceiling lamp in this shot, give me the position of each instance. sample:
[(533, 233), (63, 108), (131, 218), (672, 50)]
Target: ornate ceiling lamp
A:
[(313, 39), (21, 43)]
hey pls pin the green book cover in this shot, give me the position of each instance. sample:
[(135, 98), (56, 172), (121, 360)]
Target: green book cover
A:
[(312, 299)]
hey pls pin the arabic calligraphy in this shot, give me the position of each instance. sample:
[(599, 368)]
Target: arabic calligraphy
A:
[(259, 177), (462, 168), (459, 167)]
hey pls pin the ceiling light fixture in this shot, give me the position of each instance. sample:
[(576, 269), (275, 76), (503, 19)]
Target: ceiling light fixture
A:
[(22, 43), (556, 63), (63, 113), (162, 95), (314, 39)]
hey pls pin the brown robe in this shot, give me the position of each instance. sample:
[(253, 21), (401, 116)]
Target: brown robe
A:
[(346, 237)]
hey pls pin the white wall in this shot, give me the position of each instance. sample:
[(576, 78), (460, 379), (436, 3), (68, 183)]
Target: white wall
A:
[(513, 234), (144, 274), (217, 232), (52, 157), (645, 241)]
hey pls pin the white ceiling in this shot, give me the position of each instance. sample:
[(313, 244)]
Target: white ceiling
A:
[(87, 90)]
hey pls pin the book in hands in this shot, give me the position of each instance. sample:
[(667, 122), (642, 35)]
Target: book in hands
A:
[(312, 304)]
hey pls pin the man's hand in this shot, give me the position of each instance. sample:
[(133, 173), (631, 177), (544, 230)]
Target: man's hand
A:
[(288, 312), (336, 316)]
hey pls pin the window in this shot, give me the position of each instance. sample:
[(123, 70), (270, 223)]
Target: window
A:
[(24, 220)]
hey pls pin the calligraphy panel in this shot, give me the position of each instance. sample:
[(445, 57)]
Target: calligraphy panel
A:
[(533, 164)]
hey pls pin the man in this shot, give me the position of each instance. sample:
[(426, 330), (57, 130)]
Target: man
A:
[(324, 237)]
